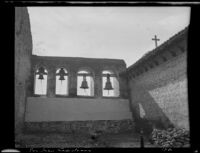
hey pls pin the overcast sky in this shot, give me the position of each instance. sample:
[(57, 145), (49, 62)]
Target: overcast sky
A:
[(103, 32)]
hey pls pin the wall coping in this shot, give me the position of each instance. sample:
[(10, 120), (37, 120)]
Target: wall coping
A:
[(120, 61), (172, 40)]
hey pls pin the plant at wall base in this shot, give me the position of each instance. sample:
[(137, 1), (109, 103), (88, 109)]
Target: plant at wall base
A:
[(171, 138), (95, 134), (95, 137)]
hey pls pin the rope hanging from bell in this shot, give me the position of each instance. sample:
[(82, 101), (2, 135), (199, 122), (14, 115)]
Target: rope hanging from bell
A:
[(41, 86), (41, 72), (41, 77), (108, 85), (84, 84)]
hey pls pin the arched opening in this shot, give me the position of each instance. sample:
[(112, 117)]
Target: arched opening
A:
[(110, 84), (85, 84), (61, 82), (40, 81)]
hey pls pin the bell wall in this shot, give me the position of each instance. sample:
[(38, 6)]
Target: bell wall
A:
[(73, 65)]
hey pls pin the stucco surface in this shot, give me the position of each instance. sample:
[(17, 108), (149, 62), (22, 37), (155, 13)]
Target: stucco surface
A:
[(76, 109)]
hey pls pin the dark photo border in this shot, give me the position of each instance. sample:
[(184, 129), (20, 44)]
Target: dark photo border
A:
[(7, 65)]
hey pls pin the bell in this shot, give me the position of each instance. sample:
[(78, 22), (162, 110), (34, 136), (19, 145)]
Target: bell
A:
[(41, 70), (108, 85), (62, 77), (41, 77), (84, 84), (62, 71)]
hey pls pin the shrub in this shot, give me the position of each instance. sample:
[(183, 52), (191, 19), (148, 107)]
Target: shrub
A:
[(172, 137)]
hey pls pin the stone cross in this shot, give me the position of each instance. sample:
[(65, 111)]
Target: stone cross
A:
[(155, 39)]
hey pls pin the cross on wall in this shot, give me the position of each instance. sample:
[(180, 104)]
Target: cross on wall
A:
[(156, 39)]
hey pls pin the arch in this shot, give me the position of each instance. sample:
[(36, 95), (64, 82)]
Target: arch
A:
[(86, 69), (39, 66), (40, 81), (84, 75), (111, 69), (107, 72), (115, 92), (61, 82)]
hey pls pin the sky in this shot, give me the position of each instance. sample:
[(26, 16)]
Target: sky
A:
[(103, 32)]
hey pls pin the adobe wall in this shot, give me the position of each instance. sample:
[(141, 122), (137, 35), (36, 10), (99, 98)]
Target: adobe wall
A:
[(23, 51), (77, 113), (159, 83)]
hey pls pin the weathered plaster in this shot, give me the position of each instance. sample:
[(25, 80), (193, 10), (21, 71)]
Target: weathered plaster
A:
[(23, 51), (76, 109)]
